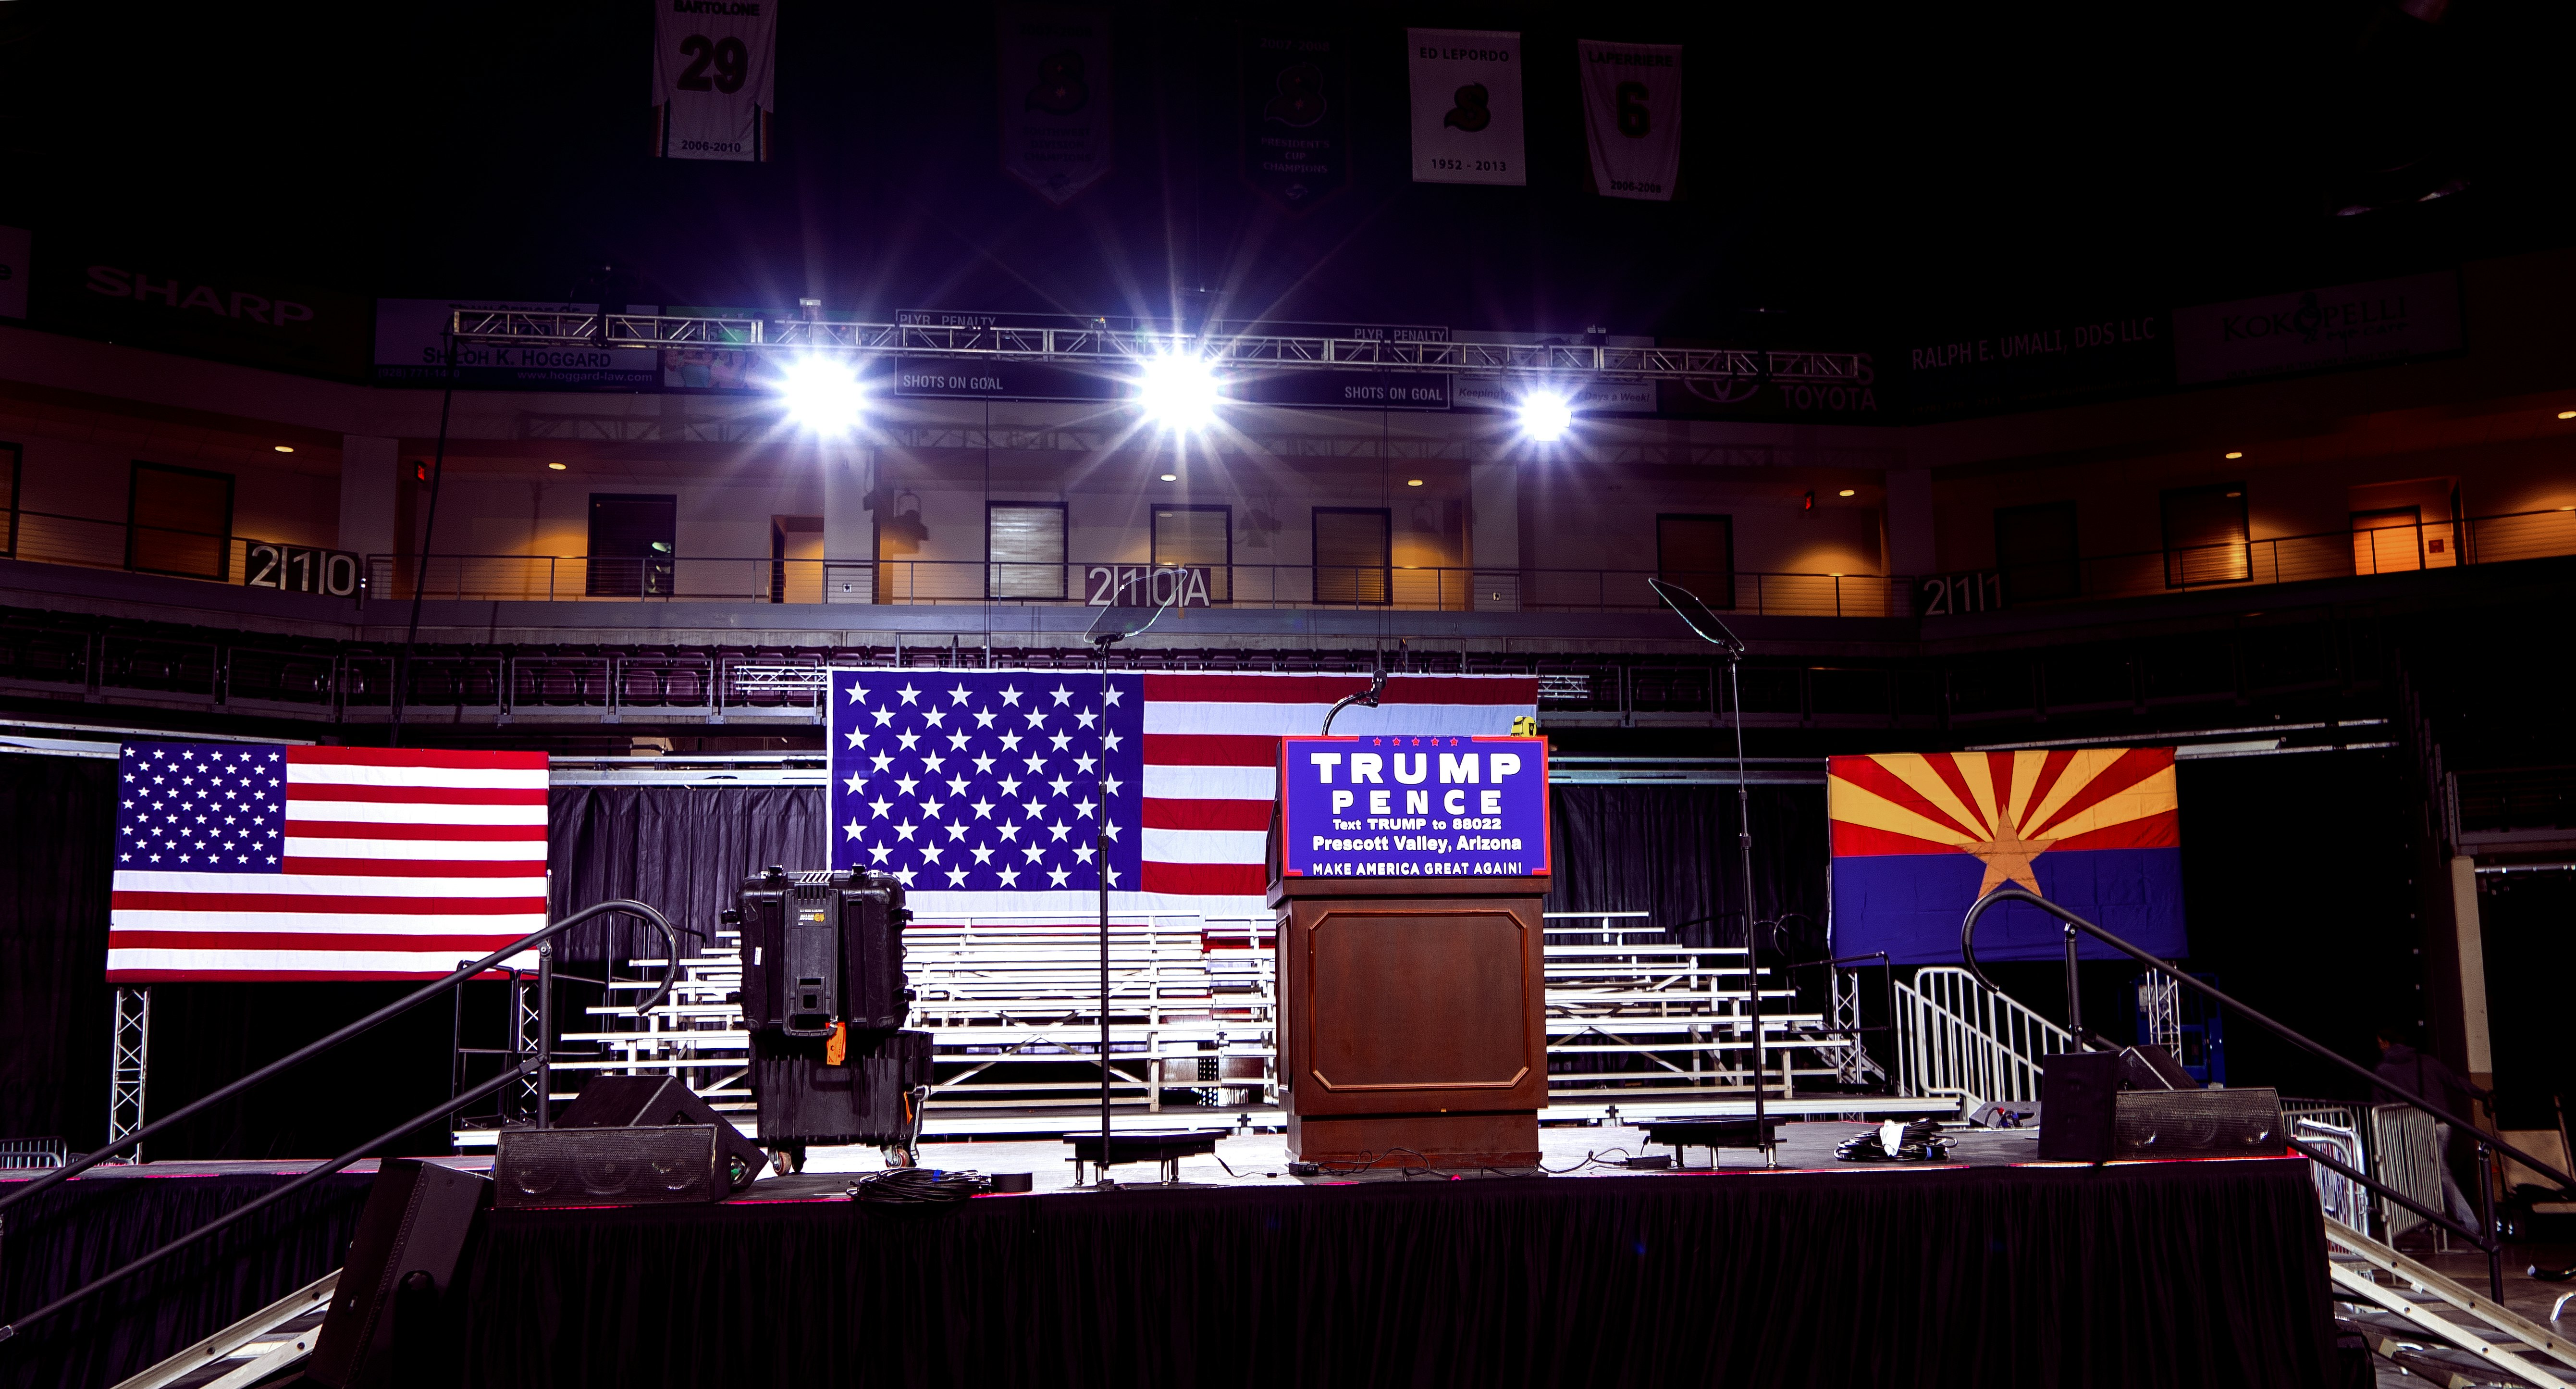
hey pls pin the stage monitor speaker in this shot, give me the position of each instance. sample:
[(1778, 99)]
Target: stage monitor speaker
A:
[(2240, 1122), (672, 1164), (822, 948), (392, 1308), (620, 1102), (803, 1100), (2084, 1115)]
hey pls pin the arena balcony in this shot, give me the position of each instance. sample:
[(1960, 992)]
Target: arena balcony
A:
[(744, 642)]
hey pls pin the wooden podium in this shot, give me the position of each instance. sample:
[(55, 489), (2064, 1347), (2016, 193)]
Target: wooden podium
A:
[(1411, 1016)]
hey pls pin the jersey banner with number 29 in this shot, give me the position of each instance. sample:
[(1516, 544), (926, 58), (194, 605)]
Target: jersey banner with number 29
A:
[(712, 89)]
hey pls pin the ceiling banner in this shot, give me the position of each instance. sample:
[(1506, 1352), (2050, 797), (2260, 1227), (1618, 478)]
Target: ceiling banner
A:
[(713, 65), (1296, 114), (1055, 99), (1632, 110), (1466, 106)]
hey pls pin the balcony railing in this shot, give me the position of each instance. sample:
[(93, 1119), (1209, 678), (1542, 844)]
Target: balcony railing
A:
[(691, 579), (239, 560)]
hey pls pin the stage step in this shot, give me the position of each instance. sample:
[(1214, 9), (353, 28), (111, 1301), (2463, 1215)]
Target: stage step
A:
[(2400, 1302), (264, 1344)]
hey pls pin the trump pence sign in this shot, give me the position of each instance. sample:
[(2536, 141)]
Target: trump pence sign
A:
[(1388, 806)]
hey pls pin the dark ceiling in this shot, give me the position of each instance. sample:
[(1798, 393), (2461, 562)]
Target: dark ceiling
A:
[(1847, 169)]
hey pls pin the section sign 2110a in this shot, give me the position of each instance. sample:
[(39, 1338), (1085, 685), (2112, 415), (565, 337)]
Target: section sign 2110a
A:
[(1407, 807)]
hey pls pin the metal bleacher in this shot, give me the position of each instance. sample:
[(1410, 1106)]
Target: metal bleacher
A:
[(1634, 1021)]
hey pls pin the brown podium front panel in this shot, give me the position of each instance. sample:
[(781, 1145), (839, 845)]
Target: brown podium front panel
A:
[(1412, 1017)]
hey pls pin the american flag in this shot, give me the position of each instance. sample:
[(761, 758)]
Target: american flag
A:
[(258, 861), (981, 789)]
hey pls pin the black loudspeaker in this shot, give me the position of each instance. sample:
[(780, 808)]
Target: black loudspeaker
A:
[(2085, 1115), (619, 1102), (664, 1165), (822, 948), (2076, 1092), (803, 1100), (2241, 1122), (393, 1294)]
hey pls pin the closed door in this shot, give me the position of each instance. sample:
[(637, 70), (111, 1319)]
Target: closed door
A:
[(2388, 541), (181, 522)]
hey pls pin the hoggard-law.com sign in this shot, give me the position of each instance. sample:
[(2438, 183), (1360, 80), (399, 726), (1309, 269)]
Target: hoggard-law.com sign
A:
[(2318, 329)]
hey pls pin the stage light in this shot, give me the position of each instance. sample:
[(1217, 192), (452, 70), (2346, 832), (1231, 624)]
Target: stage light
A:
[(1413, 482), (2237, 454), (1848, 492), (1545, 416), (558, 467), (822, 394), (290, 448), (2567, 414), (1171, 477), (1179, 392)]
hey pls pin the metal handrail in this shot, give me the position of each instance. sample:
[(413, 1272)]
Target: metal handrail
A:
[(423, 994), (418, 996), (2486, 1240)]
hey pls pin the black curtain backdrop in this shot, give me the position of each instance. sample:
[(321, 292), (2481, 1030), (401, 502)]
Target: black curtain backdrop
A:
[(57, 816), (682, 849), (2296, 871), (2206, 1274), (93, 1225), (2523, 921), (1671, 850)]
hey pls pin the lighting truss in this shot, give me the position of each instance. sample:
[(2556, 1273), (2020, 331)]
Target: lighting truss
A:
[(1122, 348)]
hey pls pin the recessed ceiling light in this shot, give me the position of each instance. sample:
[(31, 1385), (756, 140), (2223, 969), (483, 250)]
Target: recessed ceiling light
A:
[(1848, 492), (558, 467), (2236, 454), (1413, 482), (290, 448), (1171, 477)]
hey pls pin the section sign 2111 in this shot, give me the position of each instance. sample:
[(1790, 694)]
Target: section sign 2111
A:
[(1407, 807)]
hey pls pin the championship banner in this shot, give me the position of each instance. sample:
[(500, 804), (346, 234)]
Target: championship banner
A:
[(1919, 837), (1466, 106), (1632, 109), (714, 62), (1296, 115), (258, 861), (984, 790), (1055, 99)]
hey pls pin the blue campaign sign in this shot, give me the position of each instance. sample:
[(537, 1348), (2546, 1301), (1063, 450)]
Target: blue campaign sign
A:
[(1407, 807)]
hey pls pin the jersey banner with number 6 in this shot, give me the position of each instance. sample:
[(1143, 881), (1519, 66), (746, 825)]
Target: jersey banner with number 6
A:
[(712, 91)]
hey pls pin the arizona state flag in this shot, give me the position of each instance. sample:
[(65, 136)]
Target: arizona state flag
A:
[(1919, 837)]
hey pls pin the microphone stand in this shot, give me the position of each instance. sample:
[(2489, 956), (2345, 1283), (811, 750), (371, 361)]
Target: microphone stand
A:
[(1113, 626), (1704, 623)]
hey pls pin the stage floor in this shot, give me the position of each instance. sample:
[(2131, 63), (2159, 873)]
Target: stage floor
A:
[(1255, 1159)]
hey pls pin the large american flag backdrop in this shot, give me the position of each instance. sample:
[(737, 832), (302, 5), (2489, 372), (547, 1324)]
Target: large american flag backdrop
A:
[(258, 861), (980, 789)]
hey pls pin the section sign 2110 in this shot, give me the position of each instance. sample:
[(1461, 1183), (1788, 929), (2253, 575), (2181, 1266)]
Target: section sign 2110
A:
[(1408, 807)]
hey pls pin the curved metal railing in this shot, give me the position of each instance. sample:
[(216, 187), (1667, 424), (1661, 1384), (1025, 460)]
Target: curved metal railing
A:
[(2485, 1239), (285, 1063)]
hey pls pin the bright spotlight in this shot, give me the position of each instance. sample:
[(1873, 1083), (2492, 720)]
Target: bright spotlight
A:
[(1178, 392), (1545, 416), (822, 394)]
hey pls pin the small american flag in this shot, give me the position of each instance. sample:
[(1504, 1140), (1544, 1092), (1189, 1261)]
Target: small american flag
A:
[(980, 788), (258, 861)]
